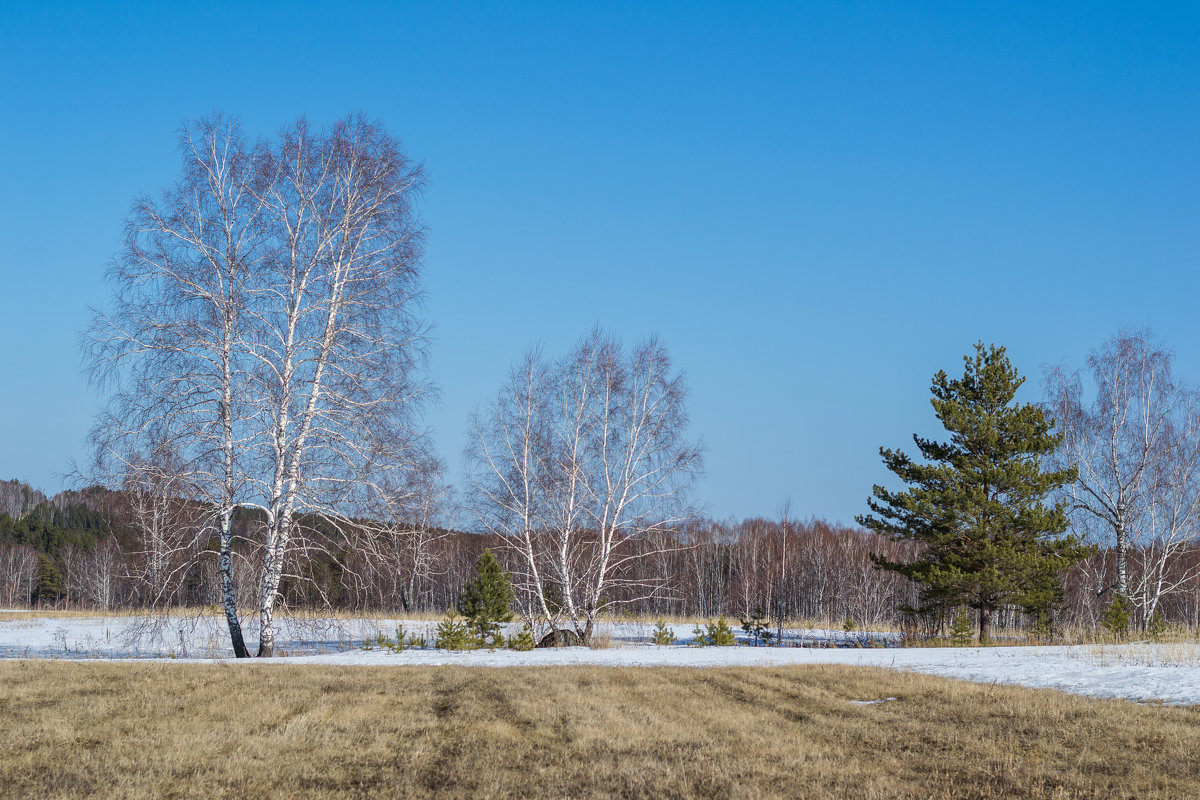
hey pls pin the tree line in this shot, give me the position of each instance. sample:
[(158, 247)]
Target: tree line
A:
[(793, 570)]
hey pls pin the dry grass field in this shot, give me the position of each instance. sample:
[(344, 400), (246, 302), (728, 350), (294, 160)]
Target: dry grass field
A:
[(204, 731)]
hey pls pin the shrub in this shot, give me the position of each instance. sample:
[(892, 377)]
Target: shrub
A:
[(849, 625), (600, 641)]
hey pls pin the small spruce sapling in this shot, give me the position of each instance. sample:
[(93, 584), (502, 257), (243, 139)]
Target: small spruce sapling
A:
[(523, 640), (962, 631), (1117, 617), (453, 634), (756, 627), (663, 635), (487, 600)]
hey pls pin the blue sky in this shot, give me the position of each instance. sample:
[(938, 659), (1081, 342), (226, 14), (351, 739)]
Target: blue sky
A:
[(816, 206)]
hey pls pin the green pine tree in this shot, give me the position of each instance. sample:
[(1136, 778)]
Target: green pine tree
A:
[(960, 628), (1157, 627), (454, 635), (522, 639), (719, 634), (49, 582), (756, 626), (487, 600), (1118, 615), (978, 503), (663, 635)]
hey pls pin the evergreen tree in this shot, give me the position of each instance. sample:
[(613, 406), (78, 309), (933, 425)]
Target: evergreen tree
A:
[(663, 635), (715, 634), (1118, 616), (978, 504), (486, 601), (49, 582), (454, 635), (960, 628), (522, 639), (756, 626)]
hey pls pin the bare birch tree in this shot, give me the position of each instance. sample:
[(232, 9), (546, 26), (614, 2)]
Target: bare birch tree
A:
[(336, 339), (1170, 527), (264, 325), (644, 465), (507, 460), (1135, 444), (91, 576), (18, 573), (168, 528), (409, 520), (578, 462), (171, 343)]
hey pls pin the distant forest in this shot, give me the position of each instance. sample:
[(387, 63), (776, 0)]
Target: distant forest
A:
[(92, 549)]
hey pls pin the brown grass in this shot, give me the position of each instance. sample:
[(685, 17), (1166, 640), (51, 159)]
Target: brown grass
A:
[(175, 730)]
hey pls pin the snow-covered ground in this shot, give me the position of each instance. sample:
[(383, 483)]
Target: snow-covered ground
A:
[(1168, 673)]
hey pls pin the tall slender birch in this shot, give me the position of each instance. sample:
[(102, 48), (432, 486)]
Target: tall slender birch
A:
[(1137, 447), (336, 340), (169, 345), (643, 468), (507, 459)]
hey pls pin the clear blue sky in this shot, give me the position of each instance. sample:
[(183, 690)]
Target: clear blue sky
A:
[(815, 206)]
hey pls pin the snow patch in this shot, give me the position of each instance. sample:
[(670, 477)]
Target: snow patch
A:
[(1165, 673)]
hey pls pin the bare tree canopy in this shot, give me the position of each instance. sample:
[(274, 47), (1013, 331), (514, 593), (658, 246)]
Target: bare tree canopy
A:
[(576, 461), (263, 332), (1136, 443)]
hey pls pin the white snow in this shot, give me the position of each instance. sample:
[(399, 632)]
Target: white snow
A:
[(1168, 673)]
